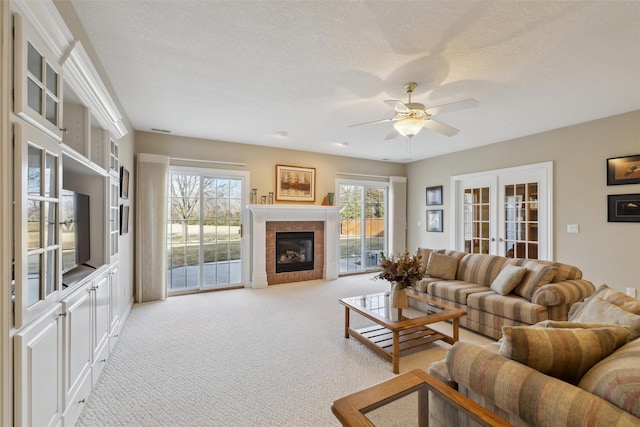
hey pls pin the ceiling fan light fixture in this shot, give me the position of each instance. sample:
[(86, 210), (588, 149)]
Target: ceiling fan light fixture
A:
[(409, 126)]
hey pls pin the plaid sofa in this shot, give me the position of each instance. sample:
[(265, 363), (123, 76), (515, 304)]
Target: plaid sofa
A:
[(581, 372), (606, 396), (487, 311)]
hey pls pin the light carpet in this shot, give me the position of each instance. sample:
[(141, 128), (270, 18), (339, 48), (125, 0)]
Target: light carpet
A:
[(246, 357)]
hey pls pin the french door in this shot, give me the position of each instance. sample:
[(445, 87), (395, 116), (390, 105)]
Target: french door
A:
[(204, 240), (363, 225), (505, 212)]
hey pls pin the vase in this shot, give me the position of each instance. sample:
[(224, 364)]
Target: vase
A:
[(398, 296), (331, 197)]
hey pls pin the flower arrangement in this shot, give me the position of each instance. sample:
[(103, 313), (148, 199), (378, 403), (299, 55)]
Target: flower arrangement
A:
[(401, 268)]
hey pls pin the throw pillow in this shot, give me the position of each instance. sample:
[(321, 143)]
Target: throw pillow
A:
[(627, 303), (575, 307), (597, 310), (508, 278), (566, 354), (442, 266), (424, 256), (537, 275), (575, 325)]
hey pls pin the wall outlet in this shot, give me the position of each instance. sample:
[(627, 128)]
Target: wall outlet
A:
[(573, 228), (631, 292)]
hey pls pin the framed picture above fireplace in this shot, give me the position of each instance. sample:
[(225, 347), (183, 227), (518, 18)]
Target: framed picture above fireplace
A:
[(295, 183)]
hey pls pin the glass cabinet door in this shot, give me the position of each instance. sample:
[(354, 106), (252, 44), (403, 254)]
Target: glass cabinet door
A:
[(37, 242), (113, 157), (37, 81), (114, 225)]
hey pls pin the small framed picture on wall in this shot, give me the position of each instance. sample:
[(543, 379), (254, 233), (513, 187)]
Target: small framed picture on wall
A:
[(623, 170), (623, 208), (124, 219), (434, 195), (124, 183), (434, 220)]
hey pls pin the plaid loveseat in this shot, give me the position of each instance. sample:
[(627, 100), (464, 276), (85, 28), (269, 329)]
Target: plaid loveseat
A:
[(488, 311)]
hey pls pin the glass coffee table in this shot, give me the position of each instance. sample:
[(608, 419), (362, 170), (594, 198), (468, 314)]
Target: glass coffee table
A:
[(396, 330)]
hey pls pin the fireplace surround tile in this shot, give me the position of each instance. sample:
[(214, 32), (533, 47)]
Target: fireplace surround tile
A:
[(273, 227), (267, 219)]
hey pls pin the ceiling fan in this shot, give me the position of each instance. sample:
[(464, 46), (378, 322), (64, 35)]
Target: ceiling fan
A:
[(409, 118)]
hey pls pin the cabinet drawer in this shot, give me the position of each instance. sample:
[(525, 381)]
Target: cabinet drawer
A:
[(76, 402), (100, 360)]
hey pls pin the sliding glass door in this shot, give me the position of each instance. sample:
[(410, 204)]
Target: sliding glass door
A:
[(204, 230), (363, 225)]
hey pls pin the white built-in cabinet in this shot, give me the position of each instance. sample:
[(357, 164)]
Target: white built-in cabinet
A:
[(114, 219), (65, 139), (78, 308), (38, 386), (115, 301), (101, 325)]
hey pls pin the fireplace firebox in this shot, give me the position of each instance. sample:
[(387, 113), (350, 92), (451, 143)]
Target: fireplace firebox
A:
[(294, 251)]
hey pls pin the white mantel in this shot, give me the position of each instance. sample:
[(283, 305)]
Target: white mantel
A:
[(260, 214)]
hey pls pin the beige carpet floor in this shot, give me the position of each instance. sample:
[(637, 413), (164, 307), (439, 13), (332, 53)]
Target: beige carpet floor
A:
[(245, 357)]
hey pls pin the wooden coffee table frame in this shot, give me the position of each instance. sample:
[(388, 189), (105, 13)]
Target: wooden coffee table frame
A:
[(390, 337), (351, 410)]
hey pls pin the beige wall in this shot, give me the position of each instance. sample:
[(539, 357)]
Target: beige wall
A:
[(261, 161), (605, 252)]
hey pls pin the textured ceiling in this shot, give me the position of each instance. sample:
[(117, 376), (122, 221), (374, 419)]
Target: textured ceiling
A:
[(244, 71)]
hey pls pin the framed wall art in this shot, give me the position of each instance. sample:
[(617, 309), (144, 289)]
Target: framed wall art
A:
[(623, 170), (124, 183), (124, 219), (434, 220), (623, 208), (295, 184), (434, 195)]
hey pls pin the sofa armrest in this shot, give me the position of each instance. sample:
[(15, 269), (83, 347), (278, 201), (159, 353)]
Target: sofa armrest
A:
[(438, 370), (533, 397), (566, 292)]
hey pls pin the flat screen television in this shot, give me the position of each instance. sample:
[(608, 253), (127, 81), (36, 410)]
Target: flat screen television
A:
[(74, 229)]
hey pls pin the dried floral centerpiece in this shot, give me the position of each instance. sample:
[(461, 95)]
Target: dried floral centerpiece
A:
[(402, 270)]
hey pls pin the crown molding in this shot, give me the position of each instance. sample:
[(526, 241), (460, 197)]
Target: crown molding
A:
[(78, 70)]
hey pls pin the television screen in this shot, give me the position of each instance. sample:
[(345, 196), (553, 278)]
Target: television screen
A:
[(74, 229)]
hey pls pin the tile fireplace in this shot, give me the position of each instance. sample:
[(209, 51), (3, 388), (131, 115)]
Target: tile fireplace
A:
[(268, 220)]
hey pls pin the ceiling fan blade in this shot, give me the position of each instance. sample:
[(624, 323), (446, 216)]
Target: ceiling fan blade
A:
[(369, 123), (440, 127), (399, 106), (453, 106), (394, 133)]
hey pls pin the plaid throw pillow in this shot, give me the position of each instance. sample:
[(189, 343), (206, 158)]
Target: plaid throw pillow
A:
[(537, 275), (563, 353)]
